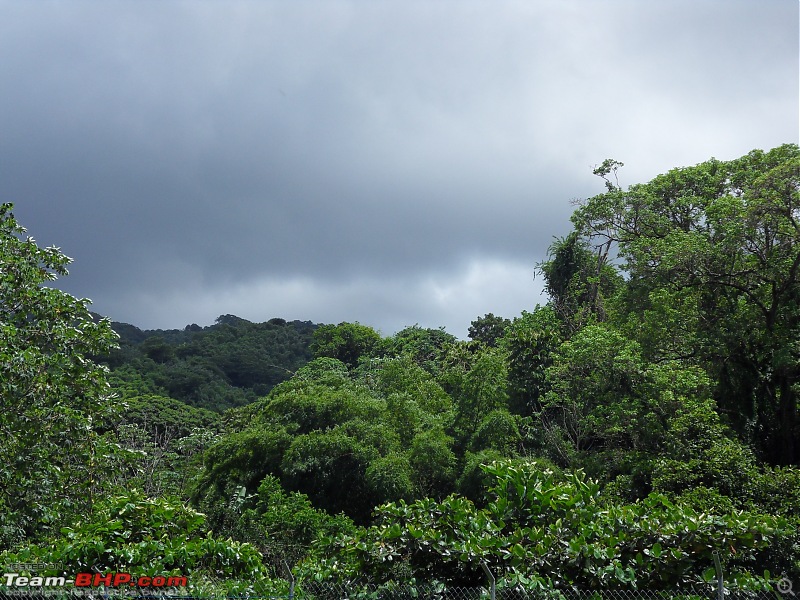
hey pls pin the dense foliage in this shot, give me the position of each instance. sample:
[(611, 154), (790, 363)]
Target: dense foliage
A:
[(617, 437), (540, 527), (50, 391), (230, 363)]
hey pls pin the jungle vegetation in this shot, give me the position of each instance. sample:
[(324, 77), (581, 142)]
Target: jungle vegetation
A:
[(615, 437)]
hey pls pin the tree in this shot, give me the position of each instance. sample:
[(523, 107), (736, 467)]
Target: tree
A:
[(156, 445), (51, 391), (227, 364), (159, 414), (578, 281), (158, 350), (723, 239), (426, 346), (488, 329), (479, 391), (346, 342), (433, 463), (330, 468), (282, 525), (498, 430), (403, 376), (530, 341), (607, 408)]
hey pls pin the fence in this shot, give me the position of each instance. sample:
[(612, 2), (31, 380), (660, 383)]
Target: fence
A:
[(282, 590)]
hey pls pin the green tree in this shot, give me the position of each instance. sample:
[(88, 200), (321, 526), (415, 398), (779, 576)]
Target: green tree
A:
[(237, 461), (488, 329), (498, 430), (723, 238), (390, 478), (530, 342), (227, 364), (283, 525), (323, 434), (402, 375), (51, 391), (158, 350), (159, 415), (330, 468), (346, 342), (483, 388), (607, 408), (433, 463), (347, 438), (425, 346), (578, 281), (156, 446)]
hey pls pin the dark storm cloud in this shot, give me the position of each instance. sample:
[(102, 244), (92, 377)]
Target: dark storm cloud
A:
[(397, 158)]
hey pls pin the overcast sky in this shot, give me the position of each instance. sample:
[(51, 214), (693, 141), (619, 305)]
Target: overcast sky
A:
[(388, 162)]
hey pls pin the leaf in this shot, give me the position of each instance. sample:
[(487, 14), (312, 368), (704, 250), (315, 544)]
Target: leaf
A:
[(656, 550)]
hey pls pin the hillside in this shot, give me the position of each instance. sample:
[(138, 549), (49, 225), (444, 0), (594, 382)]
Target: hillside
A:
[(227, 364)]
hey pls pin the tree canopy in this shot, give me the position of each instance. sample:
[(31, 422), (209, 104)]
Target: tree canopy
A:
[(717, 248)]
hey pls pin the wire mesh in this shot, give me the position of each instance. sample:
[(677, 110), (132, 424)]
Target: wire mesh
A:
[(325, 590)]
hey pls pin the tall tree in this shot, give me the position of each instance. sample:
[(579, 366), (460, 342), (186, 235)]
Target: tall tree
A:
[(723, 240), (50, 390), (578, 280)]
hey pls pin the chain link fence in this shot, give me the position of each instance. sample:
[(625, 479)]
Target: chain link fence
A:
[(312, 590), (328, 591)]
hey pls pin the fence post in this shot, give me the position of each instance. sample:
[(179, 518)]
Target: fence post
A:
[(720, 582), (491, 579), (291, 581)]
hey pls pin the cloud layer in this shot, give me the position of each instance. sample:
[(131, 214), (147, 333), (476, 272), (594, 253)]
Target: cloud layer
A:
[(392, 163)]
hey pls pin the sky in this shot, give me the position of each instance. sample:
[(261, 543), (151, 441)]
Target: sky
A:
[(388, 162)]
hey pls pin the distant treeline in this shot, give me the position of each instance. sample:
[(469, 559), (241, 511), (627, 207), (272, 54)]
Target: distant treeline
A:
[(230, 363)]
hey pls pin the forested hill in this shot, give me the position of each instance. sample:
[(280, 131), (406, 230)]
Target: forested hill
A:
[(227, 364)]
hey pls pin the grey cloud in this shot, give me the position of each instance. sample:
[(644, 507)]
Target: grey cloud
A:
[(354, 144), (449, 299)]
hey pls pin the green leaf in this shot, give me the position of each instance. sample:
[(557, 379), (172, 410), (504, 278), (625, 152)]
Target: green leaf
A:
[(656, 550)]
